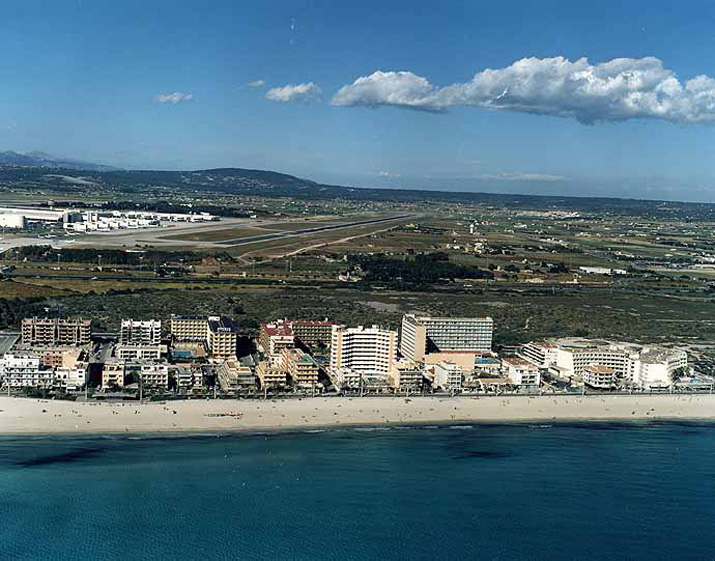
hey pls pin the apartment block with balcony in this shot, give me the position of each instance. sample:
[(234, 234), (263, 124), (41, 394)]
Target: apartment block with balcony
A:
[(55, 332), (301, 367), (370, 351), (140, 332)]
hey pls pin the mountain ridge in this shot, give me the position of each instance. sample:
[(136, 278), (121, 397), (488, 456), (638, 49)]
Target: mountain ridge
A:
[(36, 158)]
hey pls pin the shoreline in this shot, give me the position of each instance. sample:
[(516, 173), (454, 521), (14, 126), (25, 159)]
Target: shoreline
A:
[(28, 416)]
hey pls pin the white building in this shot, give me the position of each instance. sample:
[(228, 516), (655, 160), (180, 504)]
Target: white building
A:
[(422, 335), (188, 376), (140, 332), (655, 367), (447, 376), (150, 374), (345, 378), (25, 372), (13, 221), (71, 378), (371, 351), (642, 366), (599, 377), (521, 372), (139, 352)]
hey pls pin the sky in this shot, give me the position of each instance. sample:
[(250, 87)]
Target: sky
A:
[(559, 98)]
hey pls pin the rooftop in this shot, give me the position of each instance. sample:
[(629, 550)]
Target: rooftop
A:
[(519, 362)]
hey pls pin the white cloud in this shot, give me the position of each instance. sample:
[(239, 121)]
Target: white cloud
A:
[(518, 176), (388, 174), (173, 98), (617, 90), (257, 84), (294, 92)]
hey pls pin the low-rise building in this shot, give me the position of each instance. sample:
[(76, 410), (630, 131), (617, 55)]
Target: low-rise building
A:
[(149, 374), (113, 374), (406, 375), (345, 378), (188, 376), (140, 352), (447, 376), (521, 372), (71, 378), (599, 377), (67, 357), (18, 371), (232, 376), (640, 365)]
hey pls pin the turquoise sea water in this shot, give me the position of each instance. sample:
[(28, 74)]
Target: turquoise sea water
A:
[(562, 491)]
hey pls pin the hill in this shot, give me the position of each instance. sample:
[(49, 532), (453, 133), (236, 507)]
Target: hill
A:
[(237, 181), (44, 160)]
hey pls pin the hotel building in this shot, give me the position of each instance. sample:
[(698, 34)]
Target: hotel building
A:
[(312, 333), (423, 335), (370, 351), (222, 338), (642, 366), (189, 329)]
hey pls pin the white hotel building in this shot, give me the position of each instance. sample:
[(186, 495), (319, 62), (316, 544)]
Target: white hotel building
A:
[(423, 335), (642, 366), (369, 351)]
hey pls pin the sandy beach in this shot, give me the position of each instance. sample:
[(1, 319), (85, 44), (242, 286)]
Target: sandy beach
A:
[(33, 416)]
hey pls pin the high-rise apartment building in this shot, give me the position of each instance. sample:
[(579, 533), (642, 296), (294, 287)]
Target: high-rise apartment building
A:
[(189, 329), (371, 351), (51, 332), (222, 338), (423, 335), (140, 332)]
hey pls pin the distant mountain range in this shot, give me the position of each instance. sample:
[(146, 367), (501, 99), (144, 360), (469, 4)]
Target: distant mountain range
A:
[(44, 160), (35, 170)]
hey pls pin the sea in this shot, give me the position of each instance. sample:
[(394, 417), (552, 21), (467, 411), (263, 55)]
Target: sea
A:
[(590, 490)]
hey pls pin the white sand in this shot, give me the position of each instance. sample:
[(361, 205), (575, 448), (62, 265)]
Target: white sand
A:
[(33, 416)]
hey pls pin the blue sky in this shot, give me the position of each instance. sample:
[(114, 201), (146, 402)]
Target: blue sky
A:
[(84, 79)]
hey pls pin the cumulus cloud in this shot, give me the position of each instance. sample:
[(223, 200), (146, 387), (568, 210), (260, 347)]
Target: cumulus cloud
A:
[(518, 176), (616, 90), (257, 84), (294, 92), (173, 98)]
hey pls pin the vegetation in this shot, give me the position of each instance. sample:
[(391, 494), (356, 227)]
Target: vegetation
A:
[(421, 269)]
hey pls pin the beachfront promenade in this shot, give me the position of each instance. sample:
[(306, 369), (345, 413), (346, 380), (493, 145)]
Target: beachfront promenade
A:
[(36, 416)]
